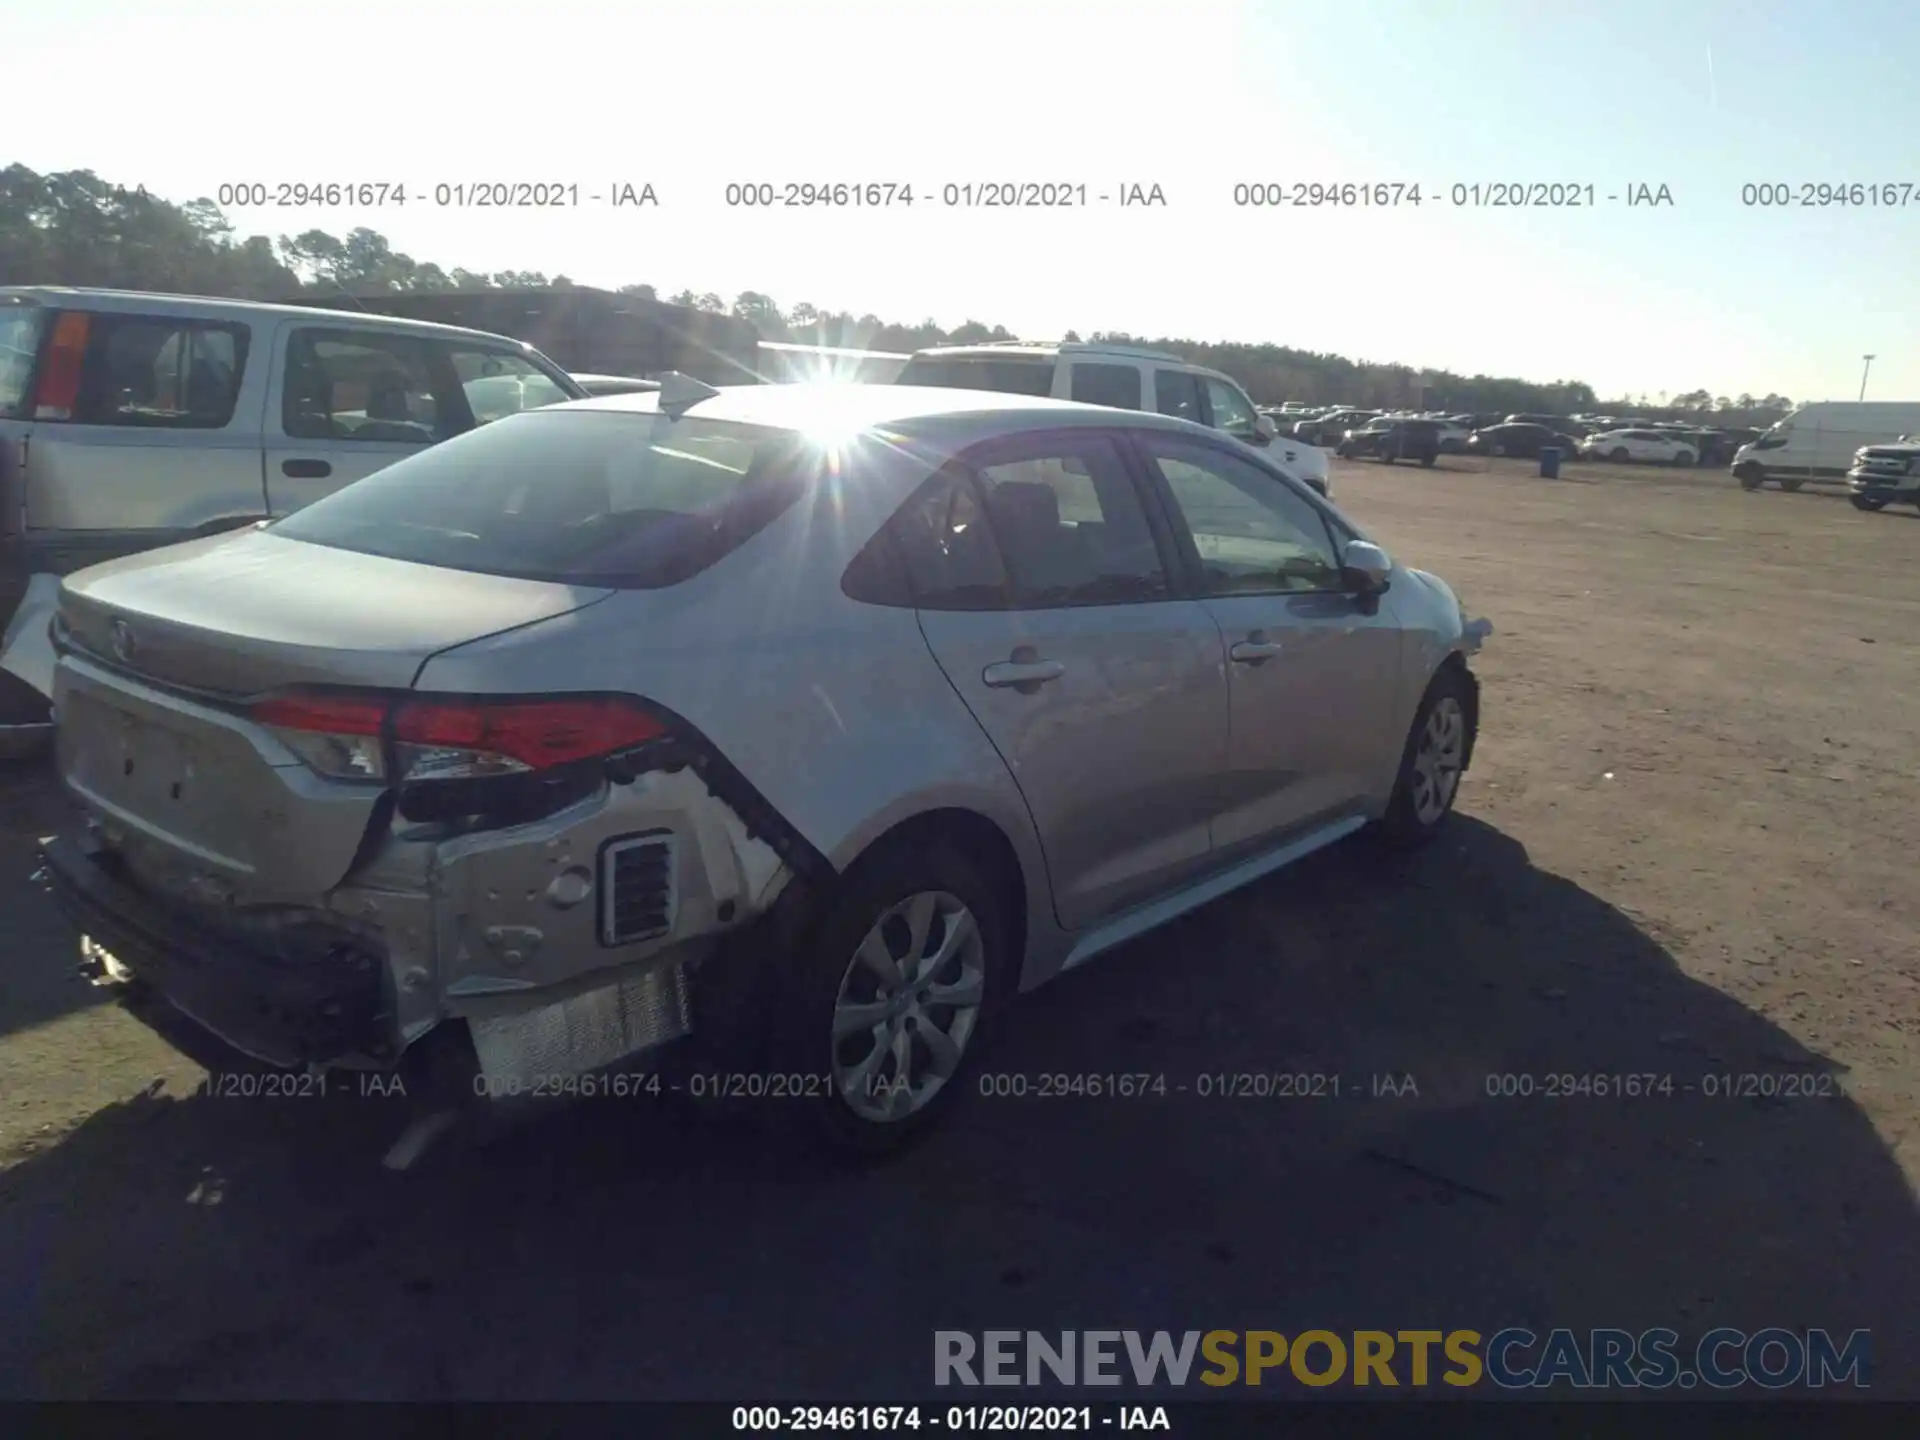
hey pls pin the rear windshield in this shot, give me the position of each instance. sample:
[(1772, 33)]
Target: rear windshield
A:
[(20, 327), (1005, 374), (579, 497)]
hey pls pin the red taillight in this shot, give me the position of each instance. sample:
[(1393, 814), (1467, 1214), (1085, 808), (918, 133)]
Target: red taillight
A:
[(536, 733), (58, 392), (324, 714), (445, 737)]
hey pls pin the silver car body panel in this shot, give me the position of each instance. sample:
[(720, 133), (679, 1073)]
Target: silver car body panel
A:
[(848, 718)]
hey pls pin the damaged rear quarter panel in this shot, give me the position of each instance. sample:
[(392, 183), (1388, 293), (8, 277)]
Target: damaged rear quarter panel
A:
[(518, 910), (832, 709)]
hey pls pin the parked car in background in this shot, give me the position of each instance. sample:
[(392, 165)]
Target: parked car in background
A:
[(1884, 475), (817, 721), (615, 384), (1124, 377), (1328, 429), (1819, 441), (144, 419), (1392, 438), (1559, 424), (1454, 433), (1522, 441), (1656, 447)]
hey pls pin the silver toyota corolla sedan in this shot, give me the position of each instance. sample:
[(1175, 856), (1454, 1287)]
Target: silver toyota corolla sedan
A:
[(814, 721)]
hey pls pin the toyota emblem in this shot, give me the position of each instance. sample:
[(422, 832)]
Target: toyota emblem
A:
[(124, 644)]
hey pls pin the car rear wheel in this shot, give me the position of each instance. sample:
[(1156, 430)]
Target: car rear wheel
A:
[(1683, 457), (1432, 763), (890, 995), (1790, 483), (1867, 502)]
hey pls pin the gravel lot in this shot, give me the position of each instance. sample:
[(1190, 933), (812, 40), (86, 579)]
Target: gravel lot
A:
[(1686, 849)]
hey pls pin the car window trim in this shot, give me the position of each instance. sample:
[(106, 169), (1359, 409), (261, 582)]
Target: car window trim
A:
[(1192, 565), (1007, 449)]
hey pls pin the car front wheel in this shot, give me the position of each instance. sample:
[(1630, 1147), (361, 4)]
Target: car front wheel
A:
[(890, 995), (1432, 763)]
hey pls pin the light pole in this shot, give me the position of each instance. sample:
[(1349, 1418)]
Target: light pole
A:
[(1863, 375)]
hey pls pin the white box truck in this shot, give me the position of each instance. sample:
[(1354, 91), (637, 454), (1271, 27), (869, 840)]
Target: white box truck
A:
[(1819, 441)]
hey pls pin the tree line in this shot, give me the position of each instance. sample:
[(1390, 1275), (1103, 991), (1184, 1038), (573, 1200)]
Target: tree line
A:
[(74, 228)]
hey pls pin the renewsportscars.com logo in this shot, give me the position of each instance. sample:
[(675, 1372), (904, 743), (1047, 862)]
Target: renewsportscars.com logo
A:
[(1511, 1359)]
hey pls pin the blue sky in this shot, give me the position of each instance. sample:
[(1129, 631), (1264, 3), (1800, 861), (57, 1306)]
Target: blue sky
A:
[(1702, 96)]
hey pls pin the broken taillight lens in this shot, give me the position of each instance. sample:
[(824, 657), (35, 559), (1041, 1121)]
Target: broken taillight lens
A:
[(408, 738)]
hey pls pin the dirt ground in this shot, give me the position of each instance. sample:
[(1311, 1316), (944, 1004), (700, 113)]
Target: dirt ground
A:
[(1686, 850)]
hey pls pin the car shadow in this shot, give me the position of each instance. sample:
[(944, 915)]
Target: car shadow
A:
[(32, 992), (1327, 1101)]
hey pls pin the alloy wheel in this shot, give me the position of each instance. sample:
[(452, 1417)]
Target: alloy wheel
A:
[(908, 1003), (1437, 760)]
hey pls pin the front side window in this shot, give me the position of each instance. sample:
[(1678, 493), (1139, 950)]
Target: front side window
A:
[(159, 372), (627, 499), (1177, 392), (498, 383), (1255, 536), (348, 385), (1231, 410)]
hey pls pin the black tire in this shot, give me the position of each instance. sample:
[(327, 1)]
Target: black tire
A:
[(1428, 461), (1683, 458), (1403, 827), (801, 1041), (1751, 477), (1618, 455), (1867, 502), (1387, 457), (1791, 483)]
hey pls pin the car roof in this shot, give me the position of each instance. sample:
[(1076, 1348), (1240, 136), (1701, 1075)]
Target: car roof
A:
[(156, 302), (854, 408), (1053, 349)]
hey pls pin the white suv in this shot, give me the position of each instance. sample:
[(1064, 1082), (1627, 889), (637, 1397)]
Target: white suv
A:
[(1125, 377)]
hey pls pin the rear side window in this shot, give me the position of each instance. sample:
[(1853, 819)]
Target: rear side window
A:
[(1175, 392), (1003, 374), (1117, 386), (1042, 523), (142, 371), (21, 327), (612, 498)]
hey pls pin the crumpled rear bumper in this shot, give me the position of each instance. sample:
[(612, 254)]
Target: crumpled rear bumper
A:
[(318, 1002)]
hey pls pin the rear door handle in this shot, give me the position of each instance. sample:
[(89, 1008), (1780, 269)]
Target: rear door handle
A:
[(306, 469), (1253, 650), (1022, 674)]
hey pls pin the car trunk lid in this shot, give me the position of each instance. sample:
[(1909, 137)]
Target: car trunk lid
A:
[(162, 649)]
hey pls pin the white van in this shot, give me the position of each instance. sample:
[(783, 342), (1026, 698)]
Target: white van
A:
[(1819, 441)]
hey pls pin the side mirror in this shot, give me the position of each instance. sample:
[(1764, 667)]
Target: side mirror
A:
[(1366, 567), (1264, 429)]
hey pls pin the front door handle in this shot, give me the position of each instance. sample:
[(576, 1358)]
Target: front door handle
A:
[(305, 469), (1255, 648), (1022, 674)]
